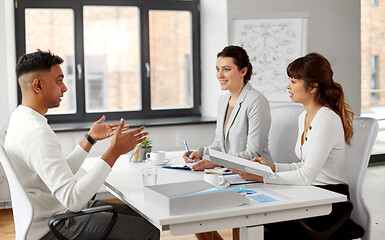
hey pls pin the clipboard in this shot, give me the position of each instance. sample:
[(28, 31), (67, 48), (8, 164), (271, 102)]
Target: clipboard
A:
[(185, 167)]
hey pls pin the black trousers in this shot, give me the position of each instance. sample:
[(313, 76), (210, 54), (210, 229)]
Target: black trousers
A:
[(291, 229), (129, 225)]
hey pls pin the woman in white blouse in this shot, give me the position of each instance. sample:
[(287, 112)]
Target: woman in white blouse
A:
[(324, 128)]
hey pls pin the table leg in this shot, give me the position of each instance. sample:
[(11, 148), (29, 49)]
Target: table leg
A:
[(251, 233)]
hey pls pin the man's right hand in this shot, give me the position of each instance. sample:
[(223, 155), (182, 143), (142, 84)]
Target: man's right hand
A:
[(123, 142)]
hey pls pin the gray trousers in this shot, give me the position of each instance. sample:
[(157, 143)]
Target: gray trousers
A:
[(129, 225)]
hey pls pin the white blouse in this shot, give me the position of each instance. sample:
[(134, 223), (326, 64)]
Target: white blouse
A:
[(322, 155)]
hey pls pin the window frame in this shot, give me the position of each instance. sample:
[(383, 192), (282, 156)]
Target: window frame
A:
[(374, 77), (374, 3), (144, 6)]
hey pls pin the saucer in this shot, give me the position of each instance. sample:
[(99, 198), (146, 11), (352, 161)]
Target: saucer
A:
[(160, 164)]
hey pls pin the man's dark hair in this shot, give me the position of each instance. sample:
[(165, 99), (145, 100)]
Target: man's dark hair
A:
[(36, 61)]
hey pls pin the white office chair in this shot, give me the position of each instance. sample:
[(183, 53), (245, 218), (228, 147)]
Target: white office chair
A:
[(284, 132), (23, 211), (21, 206), (358, 155), (357, 160)]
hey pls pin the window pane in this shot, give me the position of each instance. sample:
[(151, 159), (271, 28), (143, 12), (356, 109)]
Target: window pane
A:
[(372, 66), (112, 60), (171, 59), (53, 29)]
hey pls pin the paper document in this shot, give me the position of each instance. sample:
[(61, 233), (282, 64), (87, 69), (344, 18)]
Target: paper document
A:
[(266, 195), (241, 164), (263, 198)]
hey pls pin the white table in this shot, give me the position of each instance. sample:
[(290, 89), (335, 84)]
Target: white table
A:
[(125, 182)]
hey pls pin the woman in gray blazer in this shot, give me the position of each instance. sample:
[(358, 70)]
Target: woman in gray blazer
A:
[(243, 119)]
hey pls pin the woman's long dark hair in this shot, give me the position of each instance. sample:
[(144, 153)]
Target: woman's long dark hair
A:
[(240, 58), (315, 70)]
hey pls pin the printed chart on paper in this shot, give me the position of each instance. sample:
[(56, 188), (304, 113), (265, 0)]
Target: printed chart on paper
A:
[(271, 44)]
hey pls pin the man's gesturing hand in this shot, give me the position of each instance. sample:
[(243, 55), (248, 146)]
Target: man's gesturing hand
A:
[(123, 142), (100, 131)]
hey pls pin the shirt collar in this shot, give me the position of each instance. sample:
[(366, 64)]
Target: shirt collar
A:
[(32, 112)]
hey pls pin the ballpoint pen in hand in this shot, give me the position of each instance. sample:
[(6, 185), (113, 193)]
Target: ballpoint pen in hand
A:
[(188, 151)]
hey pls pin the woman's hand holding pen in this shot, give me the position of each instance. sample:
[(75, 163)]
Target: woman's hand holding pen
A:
[(194, 156)]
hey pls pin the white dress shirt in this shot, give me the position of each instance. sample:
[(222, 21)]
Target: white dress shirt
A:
[(48, 177), (322, 155)]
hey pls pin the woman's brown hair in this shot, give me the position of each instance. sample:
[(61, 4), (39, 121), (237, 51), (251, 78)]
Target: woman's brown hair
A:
[(240, 58), (315, 70)]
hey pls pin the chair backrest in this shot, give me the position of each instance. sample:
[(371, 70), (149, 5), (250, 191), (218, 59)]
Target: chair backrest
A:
[(21, 205), (284, 132), (357, 159)]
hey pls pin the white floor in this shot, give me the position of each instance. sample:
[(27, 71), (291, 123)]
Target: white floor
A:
[(374, 195)]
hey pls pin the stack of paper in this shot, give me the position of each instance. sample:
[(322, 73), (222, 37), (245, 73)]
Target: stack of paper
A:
[(190, 197)]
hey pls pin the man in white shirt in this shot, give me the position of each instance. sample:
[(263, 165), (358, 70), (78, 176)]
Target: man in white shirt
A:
[(50, 179)]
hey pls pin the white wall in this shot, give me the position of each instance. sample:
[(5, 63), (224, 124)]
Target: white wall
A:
[(333, 30), (6, 65), (7, 79), (213, 39)]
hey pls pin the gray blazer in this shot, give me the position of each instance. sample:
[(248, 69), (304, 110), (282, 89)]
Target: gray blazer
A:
[(247, 130)]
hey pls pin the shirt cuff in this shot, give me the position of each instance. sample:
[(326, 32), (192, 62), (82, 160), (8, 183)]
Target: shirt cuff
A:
[(282, 167), (79, 150)]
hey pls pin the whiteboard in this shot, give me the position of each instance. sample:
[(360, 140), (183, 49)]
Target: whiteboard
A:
[(271, 43)]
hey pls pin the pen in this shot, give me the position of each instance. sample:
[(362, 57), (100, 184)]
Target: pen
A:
[(188, 151)]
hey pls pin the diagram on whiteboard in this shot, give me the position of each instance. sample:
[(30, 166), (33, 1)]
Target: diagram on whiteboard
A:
[(271, 45)]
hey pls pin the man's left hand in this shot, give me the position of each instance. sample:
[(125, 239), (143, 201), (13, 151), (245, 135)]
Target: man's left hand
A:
[(99, 131)]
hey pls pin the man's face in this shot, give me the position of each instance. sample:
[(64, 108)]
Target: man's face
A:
[(53, 86)]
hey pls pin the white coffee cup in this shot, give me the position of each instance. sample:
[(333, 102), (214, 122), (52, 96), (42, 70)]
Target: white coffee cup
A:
[(157, 158), (216, 179)]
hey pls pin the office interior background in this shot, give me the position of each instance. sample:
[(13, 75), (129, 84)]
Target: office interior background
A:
[(348, 32)]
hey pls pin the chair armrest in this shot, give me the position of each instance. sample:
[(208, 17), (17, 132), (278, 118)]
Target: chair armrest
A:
[(87, 211), (348, 207)]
